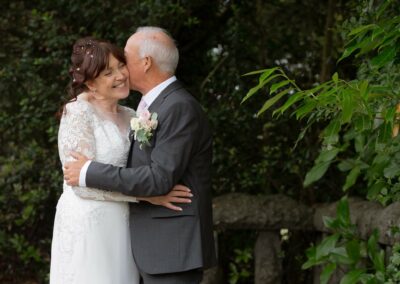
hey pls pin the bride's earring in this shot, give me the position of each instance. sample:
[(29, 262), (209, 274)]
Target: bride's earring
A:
[(93, 92)]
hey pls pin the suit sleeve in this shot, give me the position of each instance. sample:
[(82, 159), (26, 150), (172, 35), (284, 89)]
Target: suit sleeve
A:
[(169, 158)]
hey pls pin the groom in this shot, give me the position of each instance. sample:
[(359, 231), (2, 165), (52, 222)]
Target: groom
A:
[(169, 247)]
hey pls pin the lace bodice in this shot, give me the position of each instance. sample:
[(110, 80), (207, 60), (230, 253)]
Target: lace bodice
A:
[(100, 137)]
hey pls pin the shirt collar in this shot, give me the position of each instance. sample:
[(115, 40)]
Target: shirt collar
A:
[(151, 95)]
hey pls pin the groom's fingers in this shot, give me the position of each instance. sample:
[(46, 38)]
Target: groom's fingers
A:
[(180, 187), (78, 156), (180, 200), (173, 207), (177, 193)]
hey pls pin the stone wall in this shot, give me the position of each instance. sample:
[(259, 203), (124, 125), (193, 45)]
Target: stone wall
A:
[(271, 213)]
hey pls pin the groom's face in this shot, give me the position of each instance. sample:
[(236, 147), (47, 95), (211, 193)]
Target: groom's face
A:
[(135, 64)]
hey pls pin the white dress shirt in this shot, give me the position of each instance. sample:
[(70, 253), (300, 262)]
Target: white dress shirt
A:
[(149, 98)]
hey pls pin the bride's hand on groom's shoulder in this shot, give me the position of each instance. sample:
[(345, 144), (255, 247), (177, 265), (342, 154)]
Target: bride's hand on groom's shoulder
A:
[(178, 194)]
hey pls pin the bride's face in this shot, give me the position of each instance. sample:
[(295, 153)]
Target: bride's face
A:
[(112, 82)]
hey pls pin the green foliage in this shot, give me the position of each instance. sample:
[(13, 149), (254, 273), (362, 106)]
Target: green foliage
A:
[(359, 115), (362, 261), (241, 266), (359, 119), (393, 268)]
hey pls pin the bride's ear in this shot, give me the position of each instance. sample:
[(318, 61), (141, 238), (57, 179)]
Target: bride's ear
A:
[(91, 86)]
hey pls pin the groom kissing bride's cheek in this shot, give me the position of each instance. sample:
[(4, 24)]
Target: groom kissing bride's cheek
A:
[(159, 154)]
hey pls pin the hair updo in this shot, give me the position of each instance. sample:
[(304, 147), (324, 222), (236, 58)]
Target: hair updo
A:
[(89, 57)]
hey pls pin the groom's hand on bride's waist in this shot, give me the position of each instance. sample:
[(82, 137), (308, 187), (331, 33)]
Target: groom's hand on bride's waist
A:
[(72, 169)]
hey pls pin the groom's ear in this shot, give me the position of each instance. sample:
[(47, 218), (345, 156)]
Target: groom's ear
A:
[(148, 63)]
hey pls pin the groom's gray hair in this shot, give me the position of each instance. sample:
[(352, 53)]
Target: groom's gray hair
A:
[(164, 53)]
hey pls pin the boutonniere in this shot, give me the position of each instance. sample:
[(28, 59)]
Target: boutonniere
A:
[(143, 127)]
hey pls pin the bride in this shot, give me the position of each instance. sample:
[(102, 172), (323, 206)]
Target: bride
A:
[(91, 238)]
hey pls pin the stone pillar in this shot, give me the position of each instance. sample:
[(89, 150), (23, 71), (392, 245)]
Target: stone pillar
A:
[(213, 276), (267, 251)]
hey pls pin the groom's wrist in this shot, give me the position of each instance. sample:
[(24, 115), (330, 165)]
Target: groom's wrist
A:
[(82, 174)]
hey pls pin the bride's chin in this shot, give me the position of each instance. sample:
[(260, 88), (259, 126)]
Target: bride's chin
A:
[(124, 95)]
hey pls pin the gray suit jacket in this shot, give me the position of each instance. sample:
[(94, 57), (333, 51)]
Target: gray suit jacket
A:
[(166, 241)]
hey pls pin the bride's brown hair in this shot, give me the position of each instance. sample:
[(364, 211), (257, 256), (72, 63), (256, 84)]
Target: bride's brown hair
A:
[(89, 57)]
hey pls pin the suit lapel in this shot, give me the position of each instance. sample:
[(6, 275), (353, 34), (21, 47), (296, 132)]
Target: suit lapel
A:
[(176, 85)]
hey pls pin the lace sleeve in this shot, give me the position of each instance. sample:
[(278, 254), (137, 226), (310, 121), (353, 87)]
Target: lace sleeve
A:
[(76, 133)]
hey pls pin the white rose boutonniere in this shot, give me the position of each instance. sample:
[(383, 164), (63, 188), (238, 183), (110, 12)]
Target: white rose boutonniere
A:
[(143, 127)]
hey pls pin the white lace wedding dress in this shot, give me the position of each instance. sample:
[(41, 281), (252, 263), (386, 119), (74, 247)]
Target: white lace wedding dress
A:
[(91, 237)]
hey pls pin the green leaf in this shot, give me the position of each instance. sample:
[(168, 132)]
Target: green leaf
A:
[(362, 122), (359, 143), (343, 211), (327, 272), (273, 100), (392, 171), (278, 85), (346, 165), (377, 32), (367, 45), (317, 171), (311, 254), (348, 51), (353, 250), (385, 132), (375, 253), (292, 99), (266, 74), (260, 85), (259, 71), (335, 77), (390, 114), (383, 8), (362, 29), (327, 155), (390, 38), (384, 57), (326, 246), (307, 107), (330, 223), (352, 277), (375, 189), (363, 89), (347, 107), (351, 178), (252, 91), (330, 133), (340, 256)]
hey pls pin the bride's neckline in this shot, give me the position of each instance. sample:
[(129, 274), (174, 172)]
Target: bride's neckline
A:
[(102, 115), (85, 97)]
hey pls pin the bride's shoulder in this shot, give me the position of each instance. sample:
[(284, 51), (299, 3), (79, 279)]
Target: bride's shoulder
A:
[(128, 110), (79, 105)]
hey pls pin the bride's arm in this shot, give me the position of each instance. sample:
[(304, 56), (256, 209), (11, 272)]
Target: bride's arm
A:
[(76, 133)]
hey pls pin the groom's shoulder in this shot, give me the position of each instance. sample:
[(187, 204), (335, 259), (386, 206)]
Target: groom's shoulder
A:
[(181, 96), (183, 102)]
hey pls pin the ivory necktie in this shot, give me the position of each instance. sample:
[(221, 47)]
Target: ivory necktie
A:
[(141, 107)]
